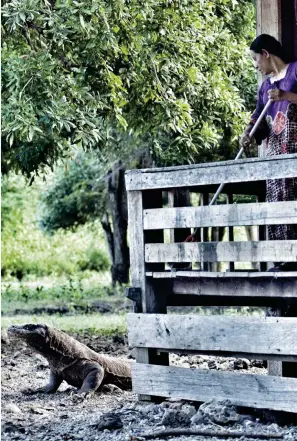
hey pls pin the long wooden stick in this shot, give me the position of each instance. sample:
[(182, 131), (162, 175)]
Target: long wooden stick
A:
[(253, 131), (199, 432)]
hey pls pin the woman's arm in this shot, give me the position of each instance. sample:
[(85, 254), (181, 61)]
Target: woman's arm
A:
[(282, 95)]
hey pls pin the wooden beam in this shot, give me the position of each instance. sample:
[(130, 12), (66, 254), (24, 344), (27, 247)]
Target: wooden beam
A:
[(222, 275), (269, 18), (276, 251), (259, 335), (280, 288), (136, 239), (258, 391), (244, 170), (137, 201), (269, 213), (194, 288)]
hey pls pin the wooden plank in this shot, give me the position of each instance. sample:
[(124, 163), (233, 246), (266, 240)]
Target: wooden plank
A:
[(178, 198), (269, 213), (233, 288), (280, 288), (244, 170), (221, 274), (230, 231), (136, 238), (137, 201), (258, 391), (271, 18), (137, 264), (277, 251), (274, 335)]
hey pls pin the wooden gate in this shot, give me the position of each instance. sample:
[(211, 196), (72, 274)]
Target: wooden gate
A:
[(166, 271)]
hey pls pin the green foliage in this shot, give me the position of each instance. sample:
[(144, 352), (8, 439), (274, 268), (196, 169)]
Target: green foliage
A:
[(94, 260), (71, 291), (12, 203), (177, 73), (76, 195), (27, 251), (102, 324)]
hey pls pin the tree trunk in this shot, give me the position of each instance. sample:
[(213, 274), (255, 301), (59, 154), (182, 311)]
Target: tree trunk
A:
[(117, 199), (108, 235)]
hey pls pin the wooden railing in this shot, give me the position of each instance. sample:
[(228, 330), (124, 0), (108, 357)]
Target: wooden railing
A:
[(163, 274)]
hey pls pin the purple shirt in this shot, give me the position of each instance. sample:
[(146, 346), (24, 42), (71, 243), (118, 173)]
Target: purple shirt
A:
[(281, 116)]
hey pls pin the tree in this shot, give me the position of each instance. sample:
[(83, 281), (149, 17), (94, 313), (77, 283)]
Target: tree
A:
[(173, 72), (172, 78), (84, 192)]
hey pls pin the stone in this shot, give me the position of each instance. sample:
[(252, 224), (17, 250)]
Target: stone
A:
[(219, 412), (110, 421), (12, 408), (175, 418), (189, 410)]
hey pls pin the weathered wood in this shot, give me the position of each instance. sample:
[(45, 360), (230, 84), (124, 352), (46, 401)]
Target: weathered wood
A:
[(269, 18), (278, 250), (237, 287), (275, 335), (230, 231), (258, 391), (137, 264), (229, 288), (262, 232), (205, 266), (252, 169), (222, 275), (178, 198), (137, 201), (269, 213)]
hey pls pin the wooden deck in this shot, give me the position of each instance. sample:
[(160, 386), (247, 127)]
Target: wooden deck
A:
[(155, 333)]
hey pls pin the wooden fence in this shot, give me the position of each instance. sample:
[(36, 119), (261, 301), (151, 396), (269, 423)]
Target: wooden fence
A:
[(165, 271)]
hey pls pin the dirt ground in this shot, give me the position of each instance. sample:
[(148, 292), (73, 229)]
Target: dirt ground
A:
[(114, 416)]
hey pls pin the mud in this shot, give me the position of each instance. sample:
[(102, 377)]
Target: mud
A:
[(118, 416)]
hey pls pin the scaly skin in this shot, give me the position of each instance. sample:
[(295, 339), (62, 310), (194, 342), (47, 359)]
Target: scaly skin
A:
[(73, 361)]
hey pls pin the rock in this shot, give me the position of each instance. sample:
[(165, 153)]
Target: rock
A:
[(12, 408), (258, 363), (241, 363), (219, 412), (109, 421), (165, 405), (212, 364), (37, 410), (10, 427), (189, 410), (175, 418), (4, 337)]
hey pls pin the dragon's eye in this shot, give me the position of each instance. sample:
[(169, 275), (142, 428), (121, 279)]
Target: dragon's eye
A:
[(30, 327)]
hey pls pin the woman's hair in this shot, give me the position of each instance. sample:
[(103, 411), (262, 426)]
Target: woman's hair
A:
[(271, 45)]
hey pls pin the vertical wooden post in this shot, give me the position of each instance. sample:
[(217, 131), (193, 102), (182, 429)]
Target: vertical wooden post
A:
[(230, 231), (152, 301), (206, 266), (179, 198), (269, 18)]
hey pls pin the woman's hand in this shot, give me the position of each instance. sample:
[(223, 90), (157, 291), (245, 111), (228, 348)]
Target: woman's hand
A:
[(277, 95), (245, 140)]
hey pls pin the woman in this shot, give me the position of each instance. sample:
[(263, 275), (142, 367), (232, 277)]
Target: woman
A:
[(280, 128)]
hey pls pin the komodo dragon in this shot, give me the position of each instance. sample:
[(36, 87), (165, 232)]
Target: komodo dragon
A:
[(73, 361)]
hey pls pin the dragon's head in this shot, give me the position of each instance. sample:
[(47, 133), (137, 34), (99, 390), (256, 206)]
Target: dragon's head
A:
[(35, 336)]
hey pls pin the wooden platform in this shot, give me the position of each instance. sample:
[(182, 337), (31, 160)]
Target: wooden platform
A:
[(154, 332)]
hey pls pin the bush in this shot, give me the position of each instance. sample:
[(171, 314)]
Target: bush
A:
[(95, 260), (28, 251)]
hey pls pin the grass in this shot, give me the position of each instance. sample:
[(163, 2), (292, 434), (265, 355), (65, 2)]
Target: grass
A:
[(107, 324), (29, 253), (57, 292)]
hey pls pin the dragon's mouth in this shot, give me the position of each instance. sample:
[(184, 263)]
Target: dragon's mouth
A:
[(16, 330), (25, 330)]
